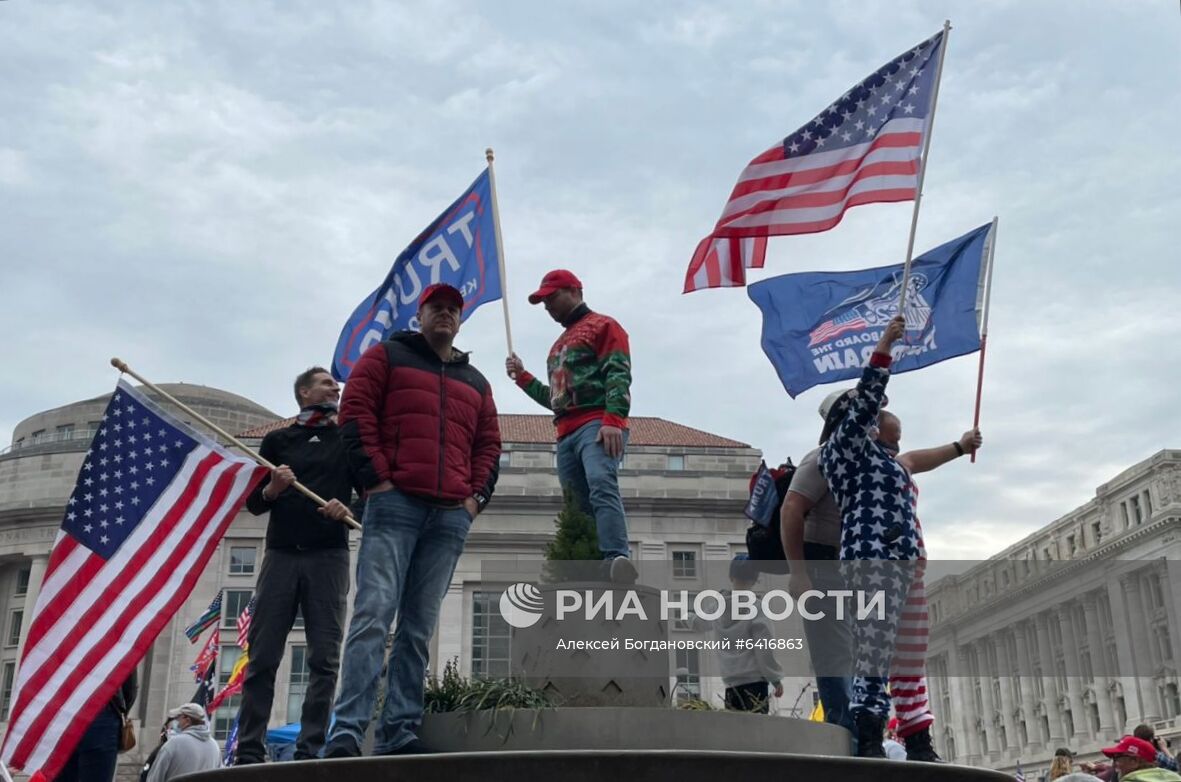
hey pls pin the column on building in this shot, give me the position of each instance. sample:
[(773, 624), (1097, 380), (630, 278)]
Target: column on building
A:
[(970, 741), (1074, 679), (1117, 595), (985, 671), (1099, 664), (1024, 670), (1137, 632), (37, 565), (1012, 736), (1050, 680)]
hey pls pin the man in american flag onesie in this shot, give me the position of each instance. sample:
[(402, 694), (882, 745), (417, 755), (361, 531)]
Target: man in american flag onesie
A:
[(880, 529)]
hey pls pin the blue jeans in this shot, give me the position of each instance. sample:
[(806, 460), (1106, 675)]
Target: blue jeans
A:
[(97, 753), (407, 558), (587, 472)]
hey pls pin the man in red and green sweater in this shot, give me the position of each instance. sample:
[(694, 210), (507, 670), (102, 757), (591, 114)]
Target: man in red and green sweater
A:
[(589, 370)]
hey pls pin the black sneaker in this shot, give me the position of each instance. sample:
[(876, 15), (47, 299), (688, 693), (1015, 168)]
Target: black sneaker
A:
[(919, 747), (342, 746), (623, 571), (869, 734), (412, 747)]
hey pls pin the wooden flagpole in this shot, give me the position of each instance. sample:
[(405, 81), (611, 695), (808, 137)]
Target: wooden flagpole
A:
[(120, 365), (508, 331), (918, 193), (984, 327)]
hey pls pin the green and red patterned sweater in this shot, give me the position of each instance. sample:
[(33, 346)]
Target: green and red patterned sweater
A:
[(589, 371)]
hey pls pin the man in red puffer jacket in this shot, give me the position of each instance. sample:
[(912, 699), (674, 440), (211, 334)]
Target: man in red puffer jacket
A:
[(420, 430)]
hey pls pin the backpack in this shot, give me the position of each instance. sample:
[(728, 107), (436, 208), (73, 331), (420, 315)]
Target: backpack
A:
[(762, 539)]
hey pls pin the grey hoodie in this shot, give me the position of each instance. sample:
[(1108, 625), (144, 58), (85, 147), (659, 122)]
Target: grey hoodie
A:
[(192, 750), (741, 666)]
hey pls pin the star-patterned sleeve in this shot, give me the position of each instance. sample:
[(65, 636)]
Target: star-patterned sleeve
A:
[(853, 433)]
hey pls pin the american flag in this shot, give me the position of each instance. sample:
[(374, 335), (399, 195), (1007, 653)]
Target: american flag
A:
[(153, 499), (862, 149), (244, 623), (207, 655), (211, 617), (829, 329), (1019, 775)]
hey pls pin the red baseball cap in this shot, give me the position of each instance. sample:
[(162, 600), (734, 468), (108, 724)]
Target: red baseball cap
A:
[(554, 281), (1130, 745), (441, 289)]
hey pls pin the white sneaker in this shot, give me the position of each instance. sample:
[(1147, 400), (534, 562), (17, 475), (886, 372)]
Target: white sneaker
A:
[(623, 571)]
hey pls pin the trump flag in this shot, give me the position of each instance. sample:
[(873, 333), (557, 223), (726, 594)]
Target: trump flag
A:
[(820, 327), (458, 248)]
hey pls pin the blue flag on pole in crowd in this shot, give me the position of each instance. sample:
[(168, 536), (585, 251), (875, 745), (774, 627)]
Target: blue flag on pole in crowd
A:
[(458, 248), (764, 497), (820, 327)]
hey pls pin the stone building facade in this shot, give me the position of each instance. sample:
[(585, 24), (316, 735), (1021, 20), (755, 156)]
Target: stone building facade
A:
[(684, 491), (1069, 637)]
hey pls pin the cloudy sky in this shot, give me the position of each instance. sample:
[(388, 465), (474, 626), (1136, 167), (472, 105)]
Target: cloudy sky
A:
[(207, 189)]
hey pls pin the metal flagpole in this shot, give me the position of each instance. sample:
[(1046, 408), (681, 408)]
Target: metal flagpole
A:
[(120, 365), (984, 327), (508, 332), (918, 193)]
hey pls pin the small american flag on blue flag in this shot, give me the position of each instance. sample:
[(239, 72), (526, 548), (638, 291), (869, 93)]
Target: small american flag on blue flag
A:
[(849, 321), (244, 623), (153, 499), (864, 148)]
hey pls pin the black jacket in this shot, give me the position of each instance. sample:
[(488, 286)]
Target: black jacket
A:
[(316, 456)]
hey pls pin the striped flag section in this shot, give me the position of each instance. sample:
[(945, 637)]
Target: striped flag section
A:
[(864, 148), (153, 499), (244, 623), (211, 617)]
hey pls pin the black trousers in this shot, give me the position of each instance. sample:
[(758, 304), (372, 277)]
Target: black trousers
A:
[(317, 584), (748, 697)]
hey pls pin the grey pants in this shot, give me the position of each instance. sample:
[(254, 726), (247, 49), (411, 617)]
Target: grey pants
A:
[(316, 583)]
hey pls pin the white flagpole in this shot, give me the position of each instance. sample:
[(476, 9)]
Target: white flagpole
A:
[(984, 326), (508, 332), (918, 193)]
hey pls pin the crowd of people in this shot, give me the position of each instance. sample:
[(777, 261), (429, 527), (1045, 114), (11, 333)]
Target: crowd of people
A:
[(1141, 756)]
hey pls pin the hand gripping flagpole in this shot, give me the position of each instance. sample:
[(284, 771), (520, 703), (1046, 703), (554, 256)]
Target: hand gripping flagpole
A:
[(918, 193), (508, 332), (984, 326), (120, 365)]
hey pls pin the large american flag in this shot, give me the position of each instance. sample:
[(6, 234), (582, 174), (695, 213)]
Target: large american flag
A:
[(153, 499), (864, 148)]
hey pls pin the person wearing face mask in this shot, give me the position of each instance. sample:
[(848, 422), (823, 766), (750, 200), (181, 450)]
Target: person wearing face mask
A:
[(878, 498), (305, 568), (190, 747)]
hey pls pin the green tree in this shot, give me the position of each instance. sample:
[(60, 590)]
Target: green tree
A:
[(575, 539)]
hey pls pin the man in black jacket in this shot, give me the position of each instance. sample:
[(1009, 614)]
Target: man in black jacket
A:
[(306, 567)]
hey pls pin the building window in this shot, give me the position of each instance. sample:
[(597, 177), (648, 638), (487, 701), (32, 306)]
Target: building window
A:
[(22, 582), (1135, 503), (6, 691), (233, 604), (298, 623), (65, 432), (684, 564), (688, 674), (242, 560), (491, 638), (506, 458), (38, 436), (223, 718), (1071, 546), (15, 620), (676, 461), (1096, 532), (298, 687), (684, 621)]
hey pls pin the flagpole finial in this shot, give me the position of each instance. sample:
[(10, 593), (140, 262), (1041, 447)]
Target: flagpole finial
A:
[(488, 154), (119, 364)]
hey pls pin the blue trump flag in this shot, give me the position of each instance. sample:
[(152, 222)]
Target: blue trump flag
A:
[(458, 248), (820, 327)]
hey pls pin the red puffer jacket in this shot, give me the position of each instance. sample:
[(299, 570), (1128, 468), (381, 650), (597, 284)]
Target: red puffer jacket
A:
[(427, 426)]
